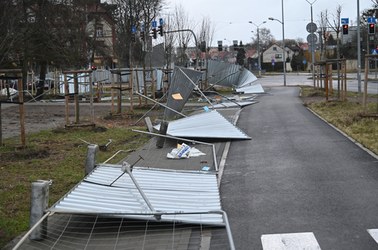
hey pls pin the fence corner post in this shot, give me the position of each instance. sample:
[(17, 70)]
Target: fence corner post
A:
[(90, 162), (39, 204)]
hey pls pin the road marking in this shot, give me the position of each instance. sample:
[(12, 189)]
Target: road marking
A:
[(374, 234), (292, 241), (205, 239)]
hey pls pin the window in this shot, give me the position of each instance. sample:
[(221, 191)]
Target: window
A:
[(278, 56), (274, 48), (99, 31)]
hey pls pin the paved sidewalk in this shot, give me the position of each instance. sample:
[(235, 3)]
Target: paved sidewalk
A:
[(298, 180)]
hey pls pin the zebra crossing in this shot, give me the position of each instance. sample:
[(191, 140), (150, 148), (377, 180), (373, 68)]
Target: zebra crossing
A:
[(374, 234), (297, 241)]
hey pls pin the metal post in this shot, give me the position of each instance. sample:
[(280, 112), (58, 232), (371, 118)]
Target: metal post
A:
[(283, 43), (258, 44), (163, 131), (39, 204), (258, 51), (92, 80), (90, 162), (76, 98), (358, 47), (312, 44), (22, 111), (67, 99), (1, 129), (312, 50), (364, 96)]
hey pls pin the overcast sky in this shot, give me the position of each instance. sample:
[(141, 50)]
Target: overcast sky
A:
[(230, 17)]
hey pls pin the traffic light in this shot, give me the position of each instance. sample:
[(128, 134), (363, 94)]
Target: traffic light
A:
[(93, 67), (133, 37), (154, 33), (161, 23), (203, 46), (220, 46), (133, 31), (371, 28), (345, 29)]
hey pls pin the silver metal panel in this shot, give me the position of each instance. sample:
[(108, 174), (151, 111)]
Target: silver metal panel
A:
[(235, 104), (226, 74), (246, 77), (251, 89), (168, 191), (209, 124), (183, 81)]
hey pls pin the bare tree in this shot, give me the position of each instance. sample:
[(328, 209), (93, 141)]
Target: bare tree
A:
[(10, 30), (206, 32), (265, 38), (182, 22), (323, 26), (134, 14), (335, 25), (40, 34)]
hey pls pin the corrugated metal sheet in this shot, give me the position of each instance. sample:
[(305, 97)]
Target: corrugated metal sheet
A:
[(167, 191), (235, 104), (205, 125), (183, 81), (226, 74), (251, 89)]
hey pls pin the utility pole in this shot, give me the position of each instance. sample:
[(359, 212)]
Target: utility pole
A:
[(283, 43), (258, 44)]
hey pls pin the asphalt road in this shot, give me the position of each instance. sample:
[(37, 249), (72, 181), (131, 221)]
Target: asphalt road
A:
[(298, 175)]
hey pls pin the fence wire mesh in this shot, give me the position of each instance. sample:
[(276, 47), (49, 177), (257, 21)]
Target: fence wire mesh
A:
[(72, 231)]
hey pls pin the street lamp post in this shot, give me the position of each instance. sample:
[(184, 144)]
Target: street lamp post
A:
[(283, 41), (258, 44)]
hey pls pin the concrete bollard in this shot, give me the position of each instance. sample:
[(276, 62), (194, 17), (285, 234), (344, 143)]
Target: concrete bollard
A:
[(39, 204), (90, 162), (148, 122), (163, 131)]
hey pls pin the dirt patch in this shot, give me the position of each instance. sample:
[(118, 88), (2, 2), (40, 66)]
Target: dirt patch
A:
[(25, 154), (47, 116)]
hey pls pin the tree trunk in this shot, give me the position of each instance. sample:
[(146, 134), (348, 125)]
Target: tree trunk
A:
[(42, 78)]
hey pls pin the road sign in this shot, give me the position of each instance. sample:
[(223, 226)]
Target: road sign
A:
[(154, 24), (374, 52), (311, 27), (371, 20), (344, 21), (133, 29), (312, 38)]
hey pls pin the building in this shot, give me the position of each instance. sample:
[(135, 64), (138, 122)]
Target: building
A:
[(272, 58), (101, 27)]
